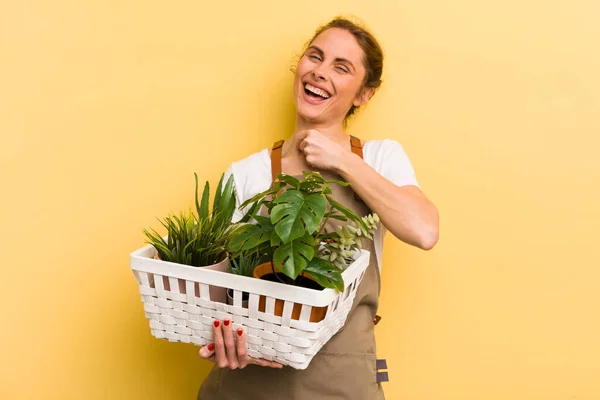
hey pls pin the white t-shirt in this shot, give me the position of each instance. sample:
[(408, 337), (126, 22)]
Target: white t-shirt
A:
[(252, 175)]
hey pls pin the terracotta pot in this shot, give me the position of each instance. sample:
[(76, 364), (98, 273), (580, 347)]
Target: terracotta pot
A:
[(316, 314), (217, 293)]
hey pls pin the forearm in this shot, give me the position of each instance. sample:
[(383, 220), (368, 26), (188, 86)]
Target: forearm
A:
[(405, 211)]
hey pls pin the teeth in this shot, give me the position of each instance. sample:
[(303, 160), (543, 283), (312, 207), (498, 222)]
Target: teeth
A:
[(316, 90)]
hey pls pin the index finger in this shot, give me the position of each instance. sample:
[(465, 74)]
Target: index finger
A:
[(242, 352)]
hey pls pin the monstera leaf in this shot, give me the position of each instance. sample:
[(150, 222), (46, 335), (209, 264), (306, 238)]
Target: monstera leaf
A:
[(291, 258), (297, 213), (251, 236), (325, 273)]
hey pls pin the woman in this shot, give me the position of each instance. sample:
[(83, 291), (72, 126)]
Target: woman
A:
[(339, 72)]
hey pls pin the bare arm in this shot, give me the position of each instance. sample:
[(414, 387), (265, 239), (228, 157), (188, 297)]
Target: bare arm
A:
[(404, 210)]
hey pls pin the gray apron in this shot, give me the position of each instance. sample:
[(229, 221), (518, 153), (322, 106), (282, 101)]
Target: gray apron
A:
[(344, 369)]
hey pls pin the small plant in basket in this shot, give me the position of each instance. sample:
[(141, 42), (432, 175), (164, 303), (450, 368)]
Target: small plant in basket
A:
[(198, 240), (244, 265), (292, 238)]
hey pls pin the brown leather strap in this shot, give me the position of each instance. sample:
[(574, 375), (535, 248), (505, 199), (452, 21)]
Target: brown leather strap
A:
[(276, 159), (357, 149), (356, 145)]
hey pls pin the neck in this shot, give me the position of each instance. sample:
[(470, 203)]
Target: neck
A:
[(333, 130)]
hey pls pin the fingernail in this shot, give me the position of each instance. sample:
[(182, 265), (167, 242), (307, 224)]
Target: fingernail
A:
[(226, 322), (211, 347), (216, 324), (240, 332)]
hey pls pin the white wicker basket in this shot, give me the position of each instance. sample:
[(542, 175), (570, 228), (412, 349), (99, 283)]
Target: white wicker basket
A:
[(180, 315)]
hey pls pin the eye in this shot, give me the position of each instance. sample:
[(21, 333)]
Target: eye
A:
[(314, 57), (342, 69)]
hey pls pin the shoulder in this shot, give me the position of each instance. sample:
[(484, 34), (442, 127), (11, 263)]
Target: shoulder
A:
[(251, 164), (251, 174), (379, 150), (388, 157)]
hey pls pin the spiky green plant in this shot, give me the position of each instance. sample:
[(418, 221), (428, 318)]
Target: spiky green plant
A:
[(180, 236), (293, 233), (244, 264), (202, 239)]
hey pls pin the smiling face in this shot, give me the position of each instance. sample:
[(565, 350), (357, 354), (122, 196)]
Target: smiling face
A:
[(329, 78)]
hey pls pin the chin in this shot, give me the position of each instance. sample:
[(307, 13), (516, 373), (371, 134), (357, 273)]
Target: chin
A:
[(311, 115)]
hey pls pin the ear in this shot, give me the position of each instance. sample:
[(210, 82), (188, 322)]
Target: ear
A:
[(364, 96)]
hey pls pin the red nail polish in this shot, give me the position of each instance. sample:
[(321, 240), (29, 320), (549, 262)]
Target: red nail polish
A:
[(226, 322), (240, 332), (216, 324), (211, 347)]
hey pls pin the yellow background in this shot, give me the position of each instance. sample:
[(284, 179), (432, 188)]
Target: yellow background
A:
[(107, 109)]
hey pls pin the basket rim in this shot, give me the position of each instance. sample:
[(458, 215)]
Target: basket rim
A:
[(141, 260)]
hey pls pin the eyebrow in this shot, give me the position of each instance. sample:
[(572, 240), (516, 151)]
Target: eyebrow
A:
[(338, 59)]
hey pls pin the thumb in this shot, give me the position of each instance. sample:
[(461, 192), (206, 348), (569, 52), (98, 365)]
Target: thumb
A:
[(299, 137), (294, 143), (207, 351)]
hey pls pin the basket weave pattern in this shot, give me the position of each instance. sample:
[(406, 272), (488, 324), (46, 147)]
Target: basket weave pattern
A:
[(183, 311)]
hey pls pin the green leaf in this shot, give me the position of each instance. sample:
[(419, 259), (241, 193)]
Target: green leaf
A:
[(294, 213), (251, 237), (290, 180), (325, 273), (309, 186), (313, 176), (262, 220), (338, 217), (346, 211), (224, 206), (338, 182), (326, 190), (218, 193), (260, 196), (251, 211), (275, 239), (202, 207), (291, 258)]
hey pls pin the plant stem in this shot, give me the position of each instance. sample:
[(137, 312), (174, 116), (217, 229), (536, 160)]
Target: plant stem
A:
[(275, 273), (318, 242)]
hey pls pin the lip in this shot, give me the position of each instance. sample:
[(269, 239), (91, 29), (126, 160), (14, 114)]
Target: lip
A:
[(315, 101), (317, 86)]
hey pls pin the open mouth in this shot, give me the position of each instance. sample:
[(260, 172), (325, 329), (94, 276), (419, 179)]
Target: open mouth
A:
[(315, 92)]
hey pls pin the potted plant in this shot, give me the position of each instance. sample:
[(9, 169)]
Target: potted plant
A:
[(292, 239), (201, 239), (244, 265)]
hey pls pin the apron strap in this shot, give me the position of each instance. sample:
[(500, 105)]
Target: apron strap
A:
[(276, 159), (357, 149), (356, 145)]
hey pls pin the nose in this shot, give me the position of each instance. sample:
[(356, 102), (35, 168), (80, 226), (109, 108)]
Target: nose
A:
[(319, 73)]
